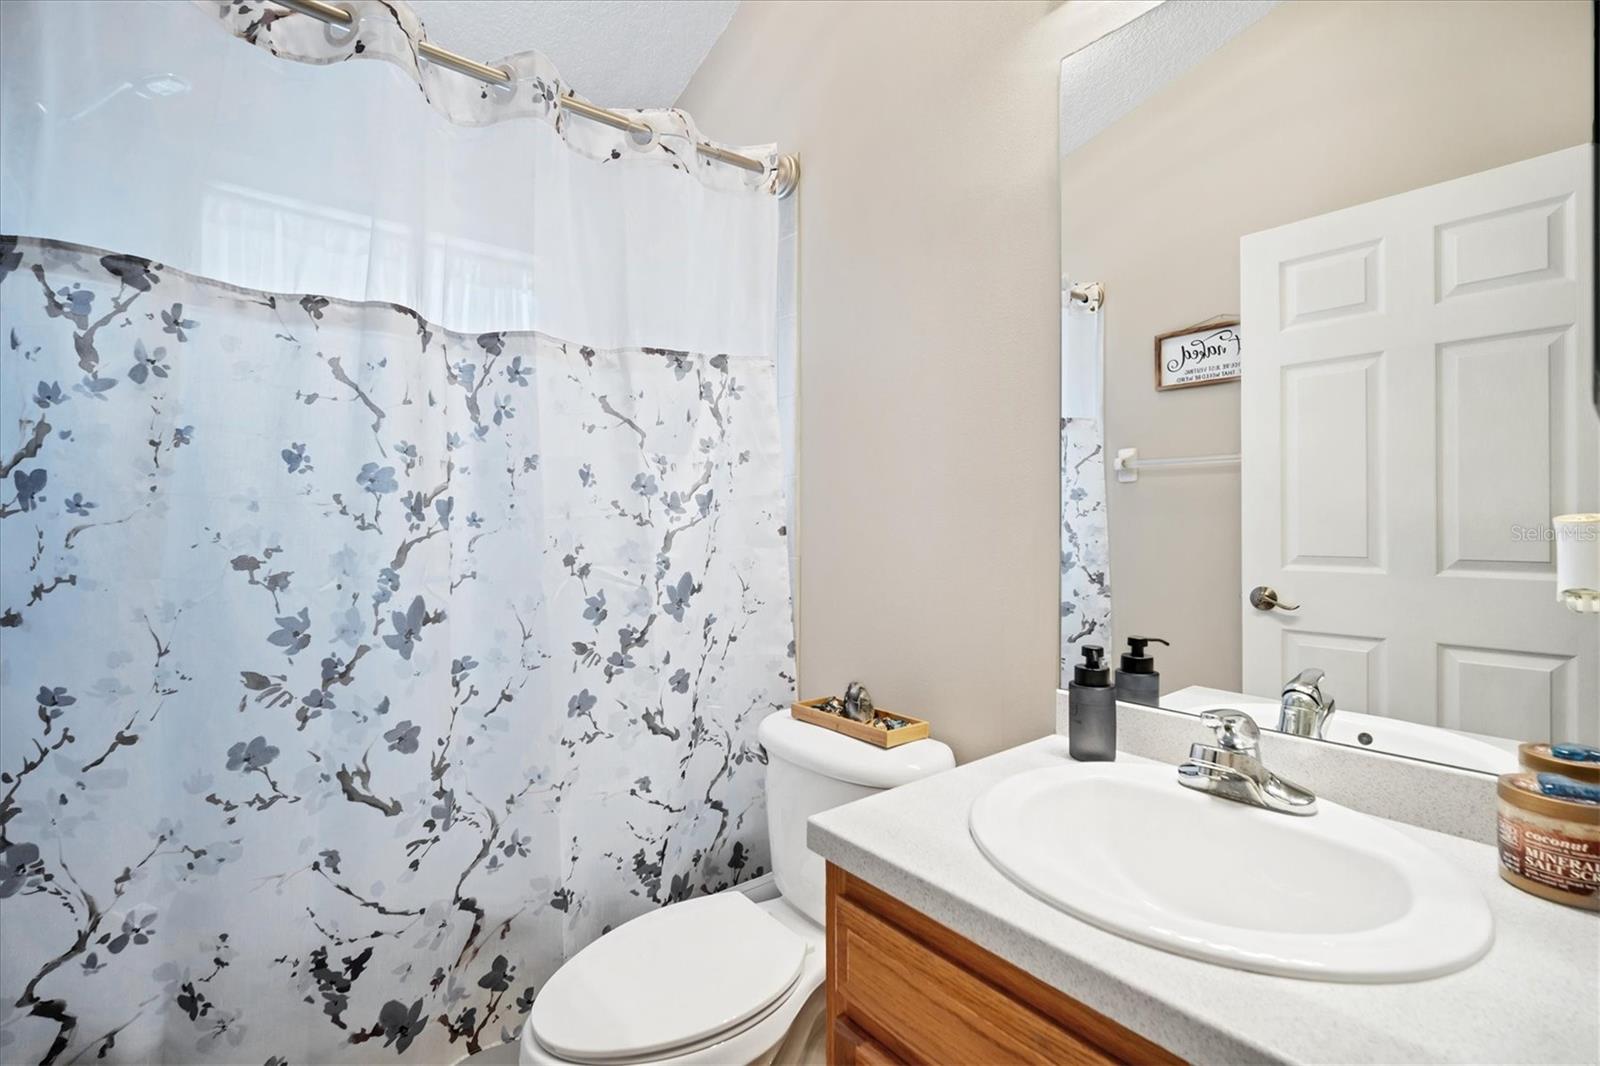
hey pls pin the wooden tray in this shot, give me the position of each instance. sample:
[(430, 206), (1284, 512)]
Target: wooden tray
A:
[(914, 729)]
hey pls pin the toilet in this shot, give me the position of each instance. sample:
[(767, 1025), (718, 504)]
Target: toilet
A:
[(724, 979)]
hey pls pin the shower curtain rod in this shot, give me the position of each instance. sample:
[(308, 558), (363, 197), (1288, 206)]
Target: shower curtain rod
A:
[(788, 168)]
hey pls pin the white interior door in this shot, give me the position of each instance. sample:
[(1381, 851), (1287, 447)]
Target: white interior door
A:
[(1415, 409)]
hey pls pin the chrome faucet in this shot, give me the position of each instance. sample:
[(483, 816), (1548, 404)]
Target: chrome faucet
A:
[(1231, 768), (1304, 712)]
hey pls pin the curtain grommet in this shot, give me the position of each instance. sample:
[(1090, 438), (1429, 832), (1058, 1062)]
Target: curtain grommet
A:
[(506, 91), (342, 35), (785, 176)]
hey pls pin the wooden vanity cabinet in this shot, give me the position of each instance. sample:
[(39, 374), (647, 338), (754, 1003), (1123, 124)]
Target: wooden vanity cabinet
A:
[(904, 989)]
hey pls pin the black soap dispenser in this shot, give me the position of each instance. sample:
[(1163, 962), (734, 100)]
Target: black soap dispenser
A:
[(1138, 681), (1092, 709)]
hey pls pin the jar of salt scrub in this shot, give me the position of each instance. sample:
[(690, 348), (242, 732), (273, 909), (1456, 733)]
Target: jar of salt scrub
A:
[(1580, 762), (1550, 837)]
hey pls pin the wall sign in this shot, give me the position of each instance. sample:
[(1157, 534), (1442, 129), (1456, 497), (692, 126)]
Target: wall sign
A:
[(1204, 355)]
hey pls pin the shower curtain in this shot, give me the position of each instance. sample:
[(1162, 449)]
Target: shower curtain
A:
[(391, 533)]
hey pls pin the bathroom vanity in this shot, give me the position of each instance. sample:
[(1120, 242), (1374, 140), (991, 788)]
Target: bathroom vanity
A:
[(903, 988), (935, 955)]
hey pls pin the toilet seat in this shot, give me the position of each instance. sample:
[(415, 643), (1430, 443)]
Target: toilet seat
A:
[(669, 982)]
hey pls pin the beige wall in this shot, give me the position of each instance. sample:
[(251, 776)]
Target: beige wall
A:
[(929, 338), (929, 324), (1316, 107)]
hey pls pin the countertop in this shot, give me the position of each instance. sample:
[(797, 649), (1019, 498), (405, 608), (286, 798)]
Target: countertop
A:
[(1534, 998)]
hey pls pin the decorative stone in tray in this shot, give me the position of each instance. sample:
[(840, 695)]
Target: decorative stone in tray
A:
[(884, 729)]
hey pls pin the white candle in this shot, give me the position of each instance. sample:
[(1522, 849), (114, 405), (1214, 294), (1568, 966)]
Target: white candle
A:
[(1578, 561)]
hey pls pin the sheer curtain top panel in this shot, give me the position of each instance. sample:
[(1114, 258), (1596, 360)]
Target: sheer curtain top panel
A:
[(150, 128)]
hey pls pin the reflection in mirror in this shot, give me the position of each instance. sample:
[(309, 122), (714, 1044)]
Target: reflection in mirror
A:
[(1329, 426)]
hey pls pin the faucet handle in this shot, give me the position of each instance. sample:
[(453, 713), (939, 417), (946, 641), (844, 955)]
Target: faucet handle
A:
[(1307, 682), (1235, 730)]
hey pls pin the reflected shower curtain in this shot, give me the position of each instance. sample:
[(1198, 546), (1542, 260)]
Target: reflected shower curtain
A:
[(1085, 540), (388, 602)]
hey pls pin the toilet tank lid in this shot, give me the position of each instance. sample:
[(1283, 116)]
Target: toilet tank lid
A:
[(846, 759)]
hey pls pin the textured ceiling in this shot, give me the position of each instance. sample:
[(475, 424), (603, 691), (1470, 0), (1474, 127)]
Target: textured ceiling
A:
[(1119, 72), (620, 53)]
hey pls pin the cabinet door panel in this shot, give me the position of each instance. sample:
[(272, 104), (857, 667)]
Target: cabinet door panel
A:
[(939, 1011), (852, 1047), (903, 988)]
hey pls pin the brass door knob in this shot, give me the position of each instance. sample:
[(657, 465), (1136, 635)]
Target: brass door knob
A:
[(1265, 598)]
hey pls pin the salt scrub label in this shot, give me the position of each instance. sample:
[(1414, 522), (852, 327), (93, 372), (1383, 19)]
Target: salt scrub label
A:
[(1551, 859), (1550, 837)]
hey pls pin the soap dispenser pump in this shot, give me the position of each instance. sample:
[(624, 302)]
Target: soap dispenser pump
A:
[(1137, 680), (1092, 709)]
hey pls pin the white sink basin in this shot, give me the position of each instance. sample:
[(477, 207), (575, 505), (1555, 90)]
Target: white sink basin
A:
[(1393, 735), (1336, 896)]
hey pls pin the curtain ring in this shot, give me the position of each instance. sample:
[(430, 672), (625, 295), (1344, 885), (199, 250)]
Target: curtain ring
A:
[(506, 91), (785, 175), (341, 34), (643, 140)]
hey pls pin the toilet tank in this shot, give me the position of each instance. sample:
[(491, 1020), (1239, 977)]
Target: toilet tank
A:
[(812, 769)]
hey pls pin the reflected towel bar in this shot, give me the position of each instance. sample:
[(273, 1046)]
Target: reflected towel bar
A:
[(1128, 464)]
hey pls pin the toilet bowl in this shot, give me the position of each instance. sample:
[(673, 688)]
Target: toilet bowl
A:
[(723, 979), (656, 998)]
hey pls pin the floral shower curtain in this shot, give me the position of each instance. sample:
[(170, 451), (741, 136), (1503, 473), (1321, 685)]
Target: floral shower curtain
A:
[(368, 647), (1085, 540)]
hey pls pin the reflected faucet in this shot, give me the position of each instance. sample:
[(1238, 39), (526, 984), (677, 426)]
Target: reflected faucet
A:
[(1231, 768), (1304, 712)]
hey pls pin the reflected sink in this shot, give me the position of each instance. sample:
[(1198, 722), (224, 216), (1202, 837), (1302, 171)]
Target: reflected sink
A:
[(1337, 896), (1393, 735)]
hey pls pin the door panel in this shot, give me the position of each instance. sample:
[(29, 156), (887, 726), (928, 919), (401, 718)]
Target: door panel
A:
[(1490, 481), (1330, 285), (1515, 246), (1485, 690), (1331, 444), (1354, 666)]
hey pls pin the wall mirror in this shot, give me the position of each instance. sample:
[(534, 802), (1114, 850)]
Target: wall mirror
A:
[(1328, 369)]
